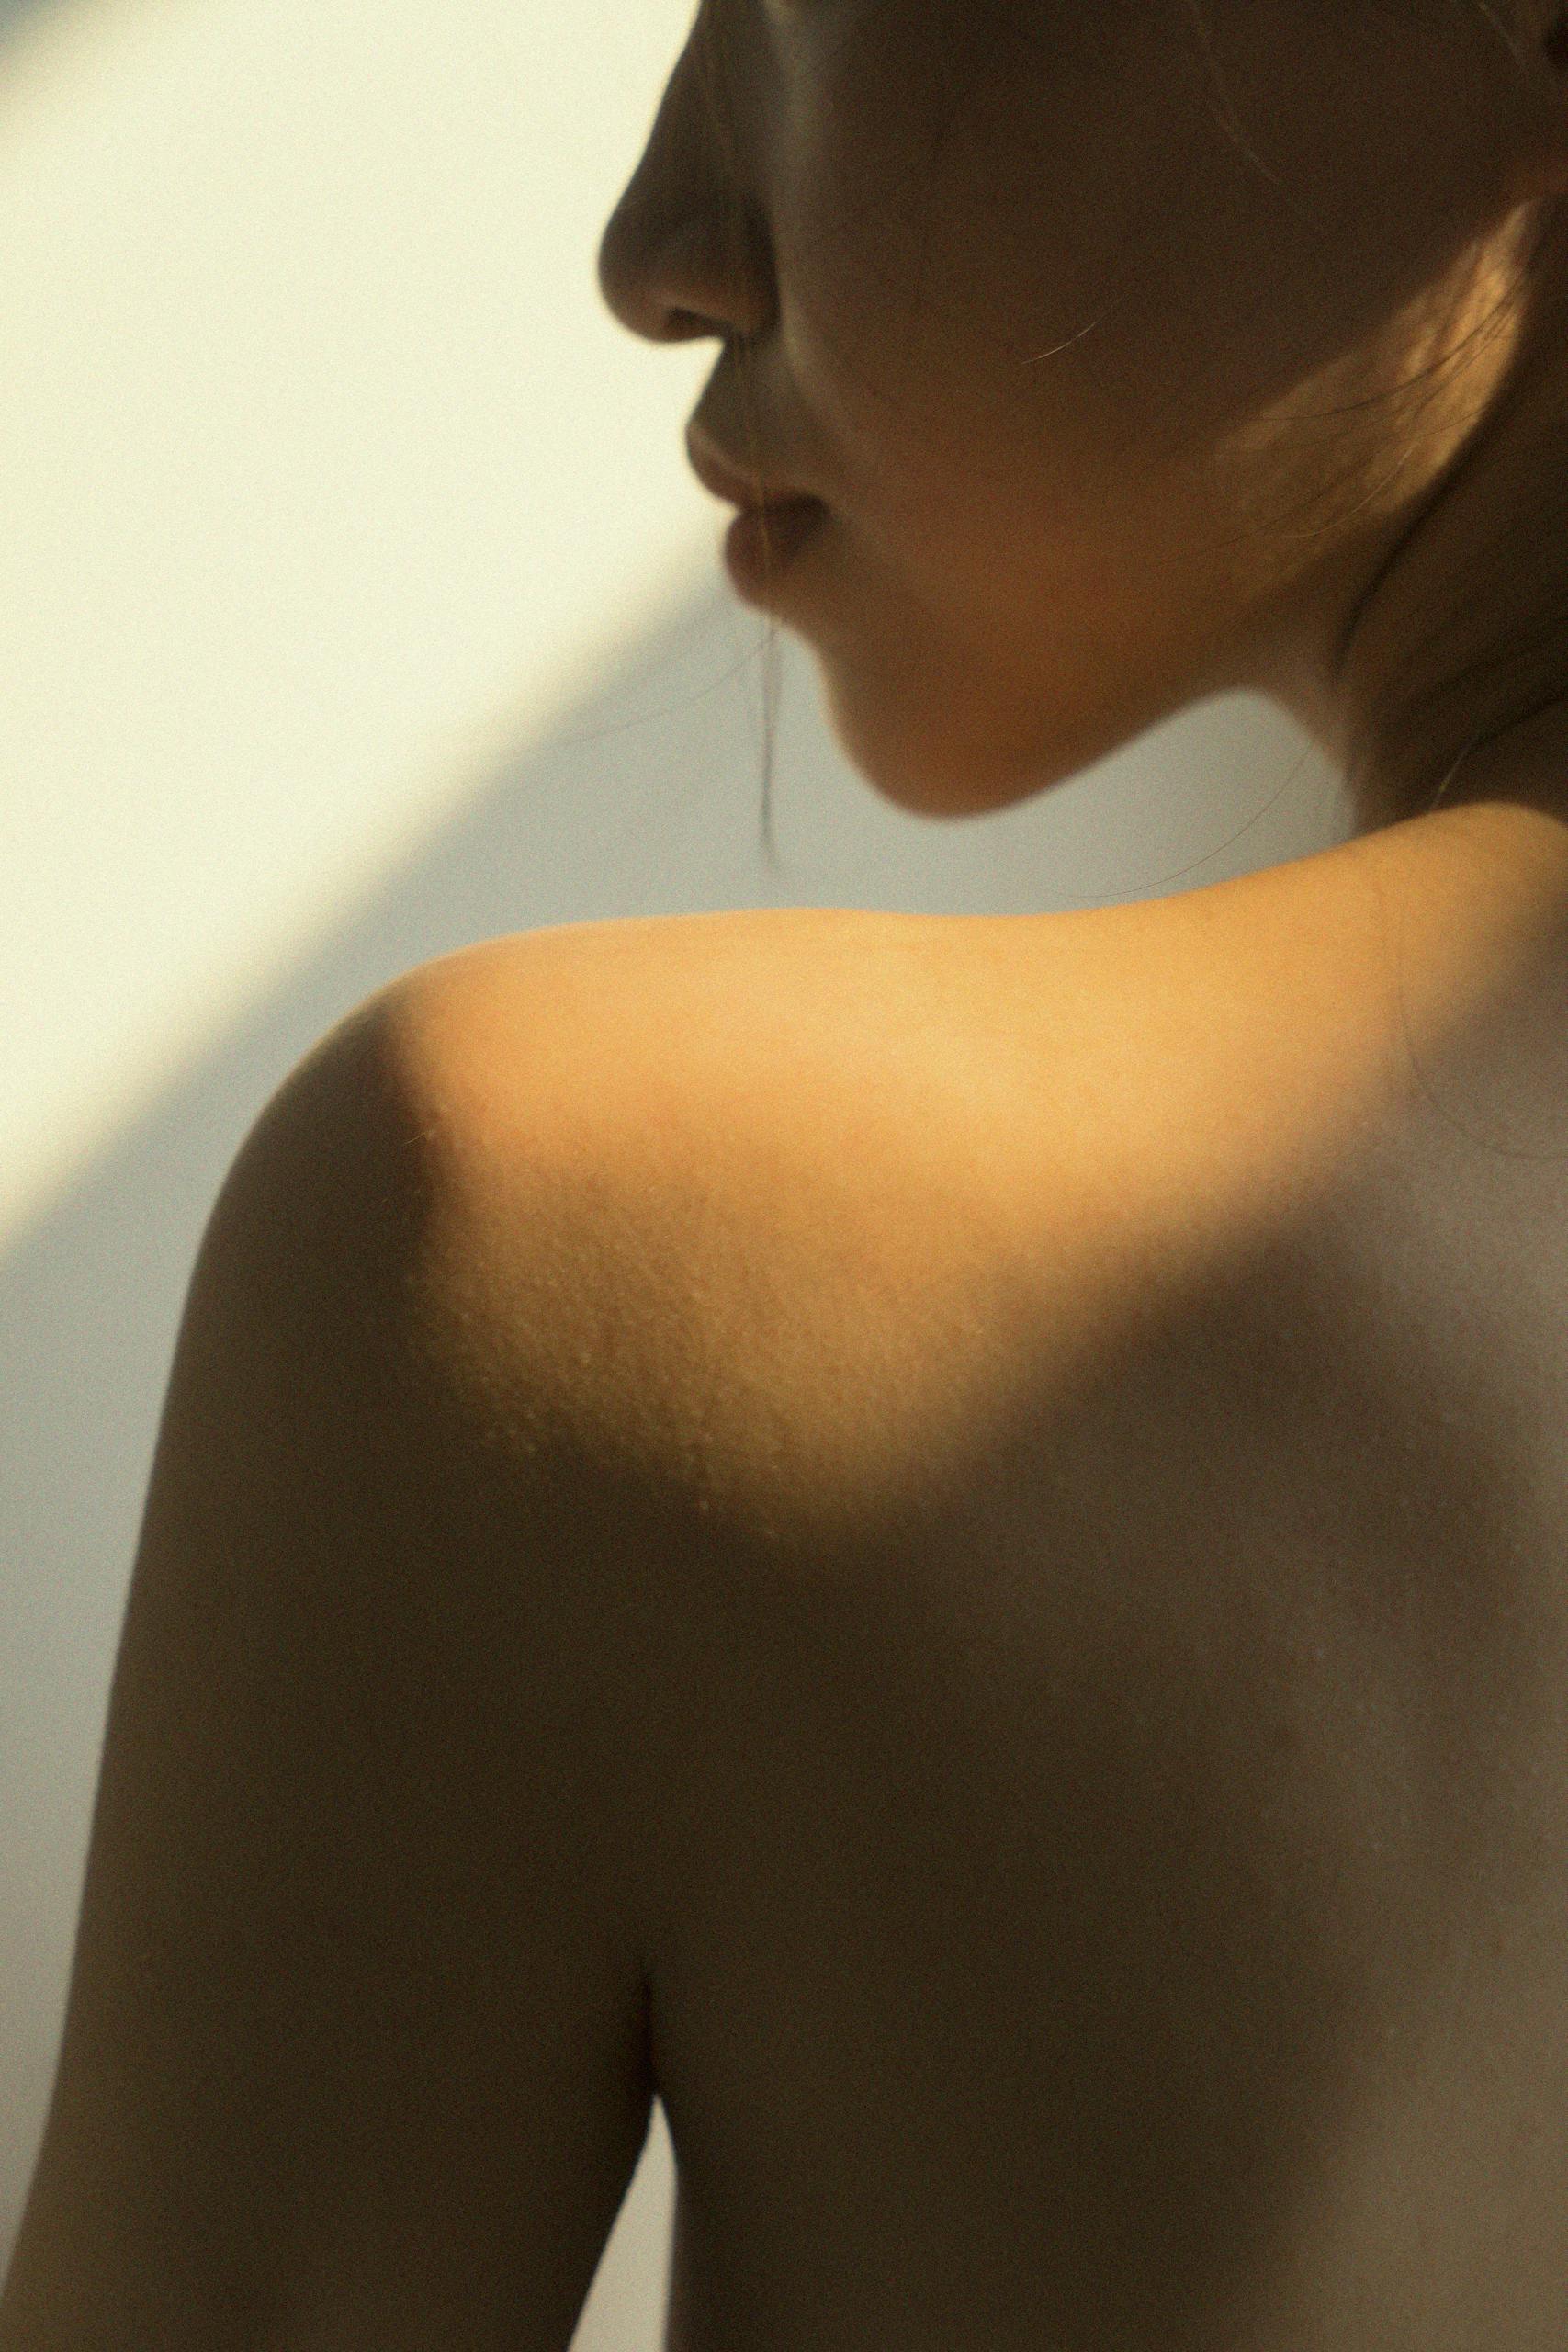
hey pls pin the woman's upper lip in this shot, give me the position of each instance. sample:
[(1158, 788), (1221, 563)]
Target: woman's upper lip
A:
[(726, 479)]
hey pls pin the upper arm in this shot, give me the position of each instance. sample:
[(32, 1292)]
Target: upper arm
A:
[(356, 2046)]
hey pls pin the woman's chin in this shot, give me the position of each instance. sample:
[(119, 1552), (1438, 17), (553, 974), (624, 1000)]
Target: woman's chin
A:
[(912, 768)]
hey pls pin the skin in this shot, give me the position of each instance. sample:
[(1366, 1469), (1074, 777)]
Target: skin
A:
[(1142, 352)]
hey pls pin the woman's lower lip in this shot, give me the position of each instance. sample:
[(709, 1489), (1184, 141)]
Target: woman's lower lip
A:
[(760, 543)]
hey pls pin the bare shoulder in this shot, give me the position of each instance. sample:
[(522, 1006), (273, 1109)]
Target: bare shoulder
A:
[(1108, 1665), (715, 1166), (813, 1202), (817, 1209), (1109, 1750), (833, 1180)]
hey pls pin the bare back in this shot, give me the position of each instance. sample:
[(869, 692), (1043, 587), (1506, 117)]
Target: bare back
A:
[(1113, 1803)]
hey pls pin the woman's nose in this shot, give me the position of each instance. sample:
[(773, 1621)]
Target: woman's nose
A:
[(671, 277)]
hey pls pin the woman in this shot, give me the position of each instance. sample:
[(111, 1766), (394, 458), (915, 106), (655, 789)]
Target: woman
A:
[(943, 1543)]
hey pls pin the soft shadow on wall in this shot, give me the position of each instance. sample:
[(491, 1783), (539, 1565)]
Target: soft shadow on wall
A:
[(643, 801), (14, 13)]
